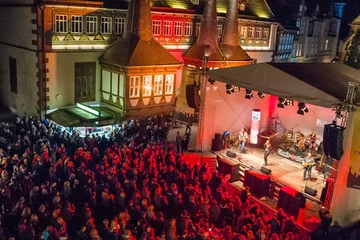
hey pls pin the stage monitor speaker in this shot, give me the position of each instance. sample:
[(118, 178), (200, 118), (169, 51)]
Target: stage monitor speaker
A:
[(265, 170), (310, 191), (230, 154), (191, 95), (226, 167), (302, 199), (333, 141), (216, 145)]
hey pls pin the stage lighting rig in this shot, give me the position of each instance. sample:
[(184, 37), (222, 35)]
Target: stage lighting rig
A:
[(281, 103), (229, 89), (249, 94), (261, 95), (289, 102), (211, 81), (236, 89), (302, 108)]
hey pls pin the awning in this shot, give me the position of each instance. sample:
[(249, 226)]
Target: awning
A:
[(83, 116), (321, 84)]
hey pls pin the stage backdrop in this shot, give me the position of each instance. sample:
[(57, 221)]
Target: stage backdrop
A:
[(353, 180)]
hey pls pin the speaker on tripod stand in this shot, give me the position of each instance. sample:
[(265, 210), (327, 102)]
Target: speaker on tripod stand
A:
[(333, 141)]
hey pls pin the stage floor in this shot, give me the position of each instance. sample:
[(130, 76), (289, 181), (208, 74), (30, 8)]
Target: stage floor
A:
[(282, 169)]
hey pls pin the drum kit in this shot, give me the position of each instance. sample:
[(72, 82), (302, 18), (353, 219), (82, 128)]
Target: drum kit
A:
[(308, 143)]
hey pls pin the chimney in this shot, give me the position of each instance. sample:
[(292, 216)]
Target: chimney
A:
[(208, 27), (139, 19), (231, 32)]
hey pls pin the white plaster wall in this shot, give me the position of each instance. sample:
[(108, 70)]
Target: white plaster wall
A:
[(260, 56), (61, 76), (224, 112), (16, 26), (25, 101)]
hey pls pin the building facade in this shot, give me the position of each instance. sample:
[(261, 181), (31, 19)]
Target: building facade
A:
[(55, 63)]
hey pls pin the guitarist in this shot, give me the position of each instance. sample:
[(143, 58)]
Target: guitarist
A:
[(308, 163), (243, 137)]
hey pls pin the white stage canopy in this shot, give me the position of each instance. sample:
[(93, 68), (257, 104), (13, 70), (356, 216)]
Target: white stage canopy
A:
[(320, 84)]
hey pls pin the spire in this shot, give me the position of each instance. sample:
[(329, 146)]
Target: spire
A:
[(208, 32), (141, 19), (231, 32)]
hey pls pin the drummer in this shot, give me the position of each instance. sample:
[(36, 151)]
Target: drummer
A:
[(313, 137)]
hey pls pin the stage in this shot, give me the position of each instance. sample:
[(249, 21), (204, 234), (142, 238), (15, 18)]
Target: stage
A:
[(283, 170)]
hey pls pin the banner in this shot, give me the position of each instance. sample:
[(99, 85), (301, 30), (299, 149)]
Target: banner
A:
[(353, 180)]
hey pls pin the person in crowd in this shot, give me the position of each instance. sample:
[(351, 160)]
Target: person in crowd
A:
[(55, 184)]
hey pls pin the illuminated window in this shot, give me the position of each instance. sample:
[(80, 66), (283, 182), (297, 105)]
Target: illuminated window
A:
[(106, 23), (169, 84), (188, 29), (178, 28), (243, 32), (167, 28), (251, 31), (61, 23), (258, 32), (91, 24), (147, 86), (76, 24), (197, 29), (219, 31), (195, 2), (158, 85), (134, 90), (119, 25), (326, 44), (156, 27), (241, 6), (265, 33)]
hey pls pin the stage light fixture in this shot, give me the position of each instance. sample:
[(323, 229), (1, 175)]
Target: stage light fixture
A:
[(211, 81), (249, 94), (302, 108), (281, 102), (236, 89), (229, 89), (289, 102), (261, 95)]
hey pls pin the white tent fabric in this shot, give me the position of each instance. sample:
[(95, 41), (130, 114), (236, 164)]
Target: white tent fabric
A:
[(321, 84)]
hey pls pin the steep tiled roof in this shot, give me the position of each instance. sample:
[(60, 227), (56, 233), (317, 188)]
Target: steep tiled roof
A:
[(137, 52)]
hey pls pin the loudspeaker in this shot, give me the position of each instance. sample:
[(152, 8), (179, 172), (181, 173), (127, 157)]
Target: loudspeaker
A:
[(302, 199), (191, 95), (333, 141), (229, 167), (230, 154), (259, 183), (310, 191), (218, 136), (216, 145), (289, 201), (265, 170)]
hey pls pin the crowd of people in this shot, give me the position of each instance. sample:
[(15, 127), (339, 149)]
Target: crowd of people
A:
[(132, 185)]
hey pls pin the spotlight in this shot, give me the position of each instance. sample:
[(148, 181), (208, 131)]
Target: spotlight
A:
[(302, 108), (248, 94), (229, 89), (211, 81), (236, 89), (261, 95), (281, 102), (289, 102)]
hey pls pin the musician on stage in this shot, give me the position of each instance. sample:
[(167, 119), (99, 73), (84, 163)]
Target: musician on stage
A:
[(268, 150), (308, 163), (313, 137), (243, 136)]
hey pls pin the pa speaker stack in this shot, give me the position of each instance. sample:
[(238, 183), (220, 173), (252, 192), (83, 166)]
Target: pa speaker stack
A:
[(226, 167), (333, 141), (290, 201), (216, 144)]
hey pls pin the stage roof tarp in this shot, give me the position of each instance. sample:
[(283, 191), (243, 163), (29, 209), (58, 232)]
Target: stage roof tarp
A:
[(321, 84)]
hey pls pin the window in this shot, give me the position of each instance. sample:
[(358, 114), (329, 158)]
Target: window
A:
[(156, 27), (251, 32), (265, 33), (61, 24), (106, 23), (326, 44), (219, 31), (119, 25), (13, 74), (167, 28), (134, 90), (147, 86), (85, 73), (195, 2), (91, 24), (169, 84), (188, 29), (178, 27), (243, 32), (158, 85), (197, 29), (258, 32), (76, 24)]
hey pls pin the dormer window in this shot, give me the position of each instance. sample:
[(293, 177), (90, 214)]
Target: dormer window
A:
[(195, 2)]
